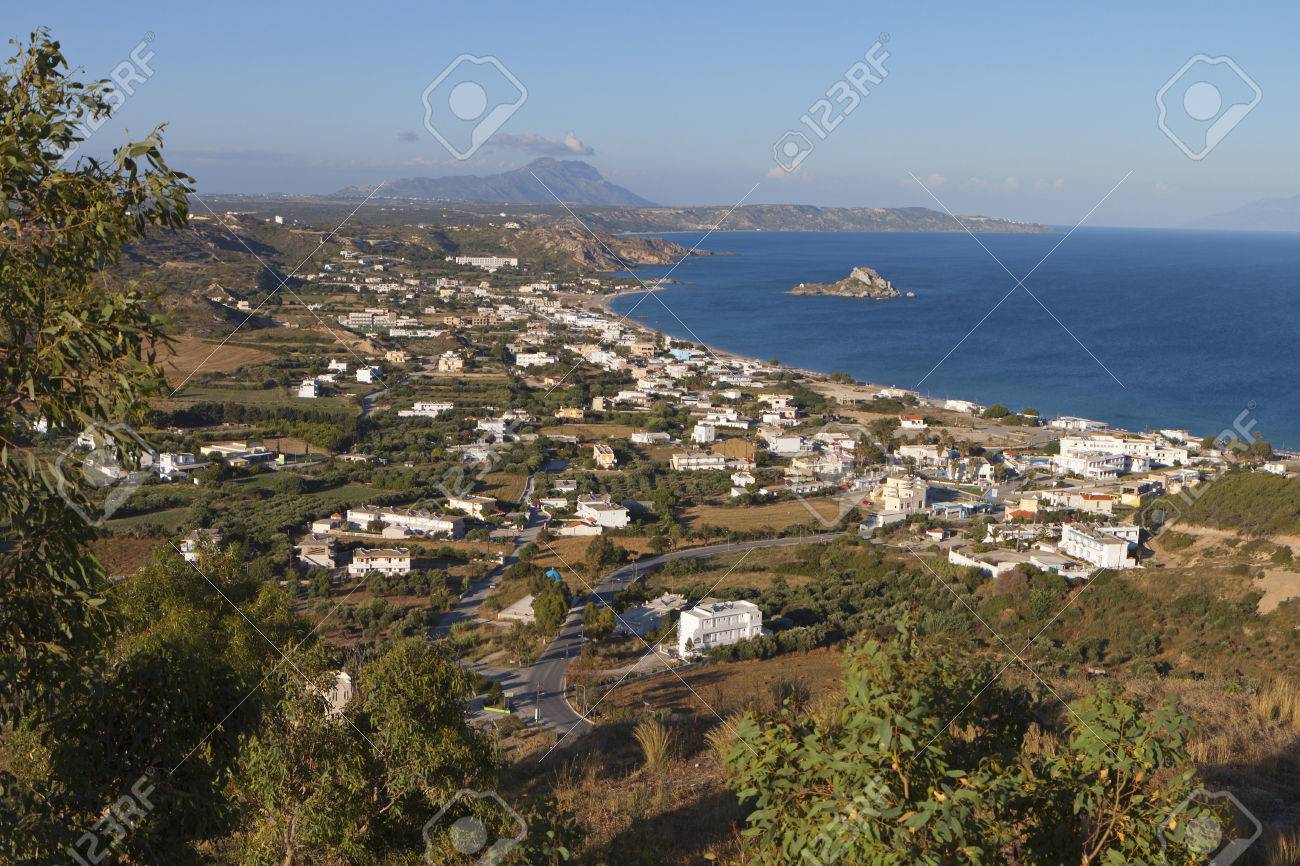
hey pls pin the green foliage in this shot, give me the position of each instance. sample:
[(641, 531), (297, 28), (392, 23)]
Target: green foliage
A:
[(597, 621), (75, 349), (1256, 503), (924, 762), (550, 608)]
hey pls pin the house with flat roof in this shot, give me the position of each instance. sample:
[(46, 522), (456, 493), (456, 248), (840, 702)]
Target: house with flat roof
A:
[(713, 622), (385, 560)]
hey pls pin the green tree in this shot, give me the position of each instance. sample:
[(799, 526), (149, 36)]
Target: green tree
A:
[(351, 785), (597, 621), (925, 762), (76, 349), (549, 609)]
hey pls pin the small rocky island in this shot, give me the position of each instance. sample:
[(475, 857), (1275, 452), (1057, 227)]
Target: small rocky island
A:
[(860, 283)]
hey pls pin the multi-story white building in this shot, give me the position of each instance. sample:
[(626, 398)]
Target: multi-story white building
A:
[(176, 464), (534, 359), (696, 461), (1098, 546), (428, 522), (309, 389), (1094, 465), (903, 494), (385, 560), (1157, 451), (713, 623), (487, 263), (599, 510), (478, 506), (704, 433)]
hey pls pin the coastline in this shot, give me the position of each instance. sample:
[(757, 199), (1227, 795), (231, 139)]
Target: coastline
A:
[(604, 304)]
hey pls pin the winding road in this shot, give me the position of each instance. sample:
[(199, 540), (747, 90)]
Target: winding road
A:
[(540, 687)]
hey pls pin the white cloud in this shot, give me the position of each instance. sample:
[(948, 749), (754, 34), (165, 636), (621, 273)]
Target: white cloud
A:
[(533, 142), (1011, 184)]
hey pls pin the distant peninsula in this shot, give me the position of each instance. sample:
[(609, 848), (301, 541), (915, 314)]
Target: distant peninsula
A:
[(860, 283)]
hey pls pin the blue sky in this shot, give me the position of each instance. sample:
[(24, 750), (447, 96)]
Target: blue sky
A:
[(1025, 110)]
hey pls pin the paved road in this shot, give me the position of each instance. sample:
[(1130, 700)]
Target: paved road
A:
[(541, 686), (466, 609)]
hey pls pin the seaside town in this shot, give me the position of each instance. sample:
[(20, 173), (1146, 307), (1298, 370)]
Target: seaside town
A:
[(526, 420), (415, 523)]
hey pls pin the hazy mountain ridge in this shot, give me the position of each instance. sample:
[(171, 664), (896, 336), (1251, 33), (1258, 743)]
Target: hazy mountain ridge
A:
[(1266, 214), (540, 182), (792, 217)]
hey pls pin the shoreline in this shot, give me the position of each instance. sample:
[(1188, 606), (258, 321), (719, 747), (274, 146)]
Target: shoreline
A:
[(604, 304)]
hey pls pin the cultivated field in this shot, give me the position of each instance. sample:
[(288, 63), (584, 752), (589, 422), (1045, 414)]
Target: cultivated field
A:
[(189, 355), (777, 515)]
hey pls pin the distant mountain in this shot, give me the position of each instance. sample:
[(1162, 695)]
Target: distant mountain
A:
[(1265, 215), (796, 218), (571, 180)]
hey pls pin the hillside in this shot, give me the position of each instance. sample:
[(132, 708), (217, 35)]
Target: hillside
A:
[(540, 182), (791, 217)]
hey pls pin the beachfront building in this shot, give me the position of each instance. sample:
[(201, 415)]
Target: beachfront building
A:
[(713, 622)]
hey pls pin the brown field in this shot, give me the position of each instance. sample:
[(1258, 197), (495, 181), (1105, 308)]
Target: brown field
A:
[(561, 553), (189, 355), (591, 431), (123, 555), (506, 486), (778, 515)]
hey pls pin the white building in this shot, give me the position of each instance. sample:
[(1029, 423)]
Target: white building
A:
[(911, 422), (426, 410), (368, 374), (1098, 546), (309, 389), (534, 359), (713, 623), (450, 362), (198, 541), (176, 464), (337, 366), (704, 433), (385, 560), (695, 461), (599, 510), (427, 522), (903, 494), (487, 263)]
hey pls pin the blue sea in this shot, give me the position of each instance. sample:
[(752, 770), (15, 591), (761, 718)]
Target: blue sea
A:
[(1139, 328)]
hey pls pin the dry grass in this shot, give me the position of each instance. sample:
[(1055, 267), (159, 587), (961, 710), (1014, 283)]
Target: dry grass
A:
[(1284, 850), (777, 516), (586, 432), (189, 355), (506, 486), (1279, 701), (656, 742)]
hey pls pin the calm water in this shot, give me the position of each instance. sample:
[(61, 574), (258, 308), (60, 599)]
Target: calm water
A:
[(1195, 326)]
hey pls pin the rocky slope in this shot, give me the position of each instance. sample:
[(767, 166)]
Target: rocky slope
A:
[(860, 283)]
